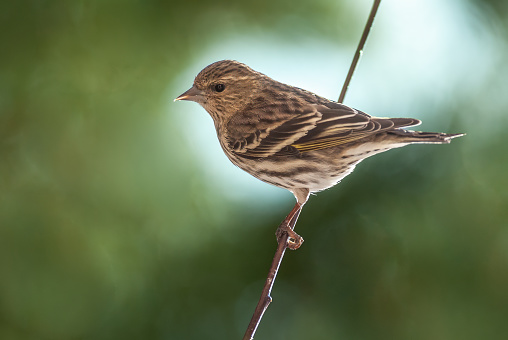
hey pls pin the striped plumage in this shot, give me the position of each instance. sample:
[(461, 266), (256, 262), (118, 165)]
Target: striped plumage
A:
[(290, 137)]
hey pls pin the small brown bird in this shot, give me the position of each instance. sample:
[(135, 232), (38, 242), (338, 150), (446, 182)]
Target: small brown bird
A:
[(290, 137)]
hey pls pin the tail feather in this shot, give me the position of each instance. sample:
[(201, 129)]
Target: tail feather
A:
[(408, 136)]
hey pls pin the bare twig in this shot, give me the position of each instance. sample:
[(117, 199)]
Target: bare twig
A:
[(283, 238), (359, 50), (265, 298)]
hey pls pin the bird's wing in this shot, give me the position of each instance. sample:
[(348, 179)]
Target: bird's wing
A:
[(313, 127), (254, 136), (336, 128)]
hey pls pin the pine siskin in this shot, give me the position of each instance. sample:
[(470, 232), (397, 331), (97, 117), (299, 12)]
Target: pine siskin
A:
[(290, 137)]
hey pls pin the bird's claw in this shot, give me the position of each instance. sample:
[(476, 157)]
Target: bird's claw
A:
[(293, 240)]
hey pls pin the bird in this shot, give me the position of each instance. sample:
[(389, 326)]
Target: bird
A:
[(292, 138)]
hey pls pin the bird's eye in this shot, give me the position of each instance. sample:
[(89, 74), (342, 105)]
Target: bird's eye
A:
[(219, 87)]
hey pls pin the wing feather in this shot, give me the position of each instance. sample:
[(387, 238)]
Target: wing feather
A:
[(312, 127), (337, 128), (278, 135)]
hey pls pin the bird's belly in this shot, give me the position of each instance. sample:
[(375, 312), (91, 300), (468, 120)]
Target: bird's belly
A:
[(310, 172)]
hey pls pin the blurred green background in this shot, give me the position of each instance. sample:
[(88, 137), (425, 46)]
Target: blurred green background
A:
[(120, 218)]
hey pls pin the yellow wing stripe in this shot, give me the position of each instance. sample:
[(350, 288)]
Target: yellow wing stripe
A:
[(327, 143)]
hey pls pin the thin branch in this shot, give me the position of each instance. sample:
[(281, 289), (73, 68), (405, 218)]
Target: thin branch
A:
[(359, 50), (265, 298)]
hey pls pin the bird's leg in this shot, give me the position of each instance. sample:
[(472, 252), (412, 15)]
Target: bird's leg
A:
[(285, 232)]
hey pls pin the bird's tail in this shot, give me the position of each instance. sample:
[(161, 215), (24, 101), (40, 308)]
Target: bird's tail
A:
[(408, 136)]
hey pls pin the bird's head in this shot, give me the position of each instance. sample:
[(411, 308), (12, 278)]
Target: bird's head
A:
[(224, 88)]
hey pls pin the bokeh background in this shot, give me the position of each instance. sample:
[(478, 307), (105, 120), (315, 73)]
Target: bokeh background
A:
[(120, 218)]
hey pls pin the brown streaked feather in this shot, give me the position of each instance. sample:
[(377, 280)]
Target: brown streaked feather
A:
[(331, 132), (405, 122), (313, 127), (273, 137), (289, 125)]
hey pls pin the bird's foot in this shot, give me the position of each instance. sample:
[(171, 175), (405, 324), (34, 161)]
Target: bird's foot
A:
[(293, 240)]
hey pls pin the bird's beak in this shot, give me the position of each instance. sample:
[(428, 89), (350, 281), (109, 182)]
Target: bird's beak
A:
[(192, 94)]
